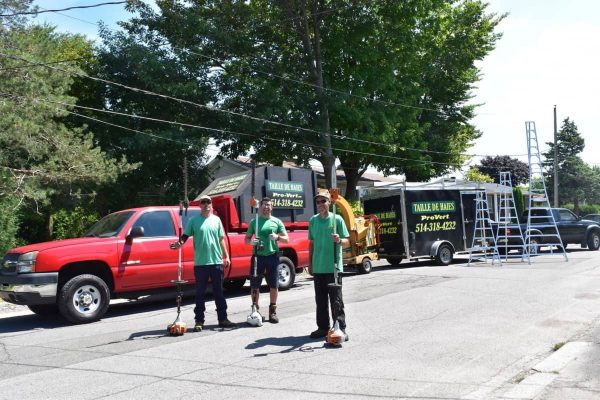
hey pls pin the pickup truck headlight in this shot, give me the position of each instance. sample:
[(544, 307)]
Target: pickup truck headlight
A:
[(26, 262)]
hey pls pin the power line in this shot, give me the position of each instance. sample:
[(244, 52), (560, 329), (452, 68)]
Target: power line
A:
[(63, 9), (226, 131), (148, 92)]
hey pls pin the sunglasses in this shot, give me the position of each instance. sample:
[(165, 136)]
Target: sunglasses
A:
[(321, 201), (205, 202)]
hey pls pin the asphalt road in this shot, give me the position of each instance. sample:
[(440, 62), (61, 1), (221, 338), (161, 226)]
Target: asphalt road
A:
[(416, 332)]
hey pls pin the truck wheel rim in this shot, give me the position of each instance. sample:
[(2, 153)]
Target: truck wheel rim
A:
[(284, 274), (596, 241), (87, 299)]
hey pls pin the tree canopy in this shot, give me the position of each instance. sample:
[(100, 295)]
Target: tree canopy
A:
[(41, 157), (492, 166), (577, 181), (382, 84)]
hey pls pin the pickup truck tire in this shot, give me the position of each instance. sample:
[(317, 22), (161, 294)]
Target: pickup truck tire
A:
[(84, 298), (593, 240), (287, 273), (444, 255), (366, 266), (534, 246), (44, 309)]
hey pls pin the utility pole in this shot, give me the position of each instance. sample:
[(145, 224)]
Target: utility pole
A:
[(555, 162)]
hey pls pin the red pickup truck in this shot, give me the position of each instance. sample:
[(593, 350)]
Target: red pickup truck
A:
[(126, 254)]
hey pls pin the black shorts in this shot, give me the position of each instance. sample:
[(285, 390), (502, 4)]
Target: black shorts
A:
[(269, 267)]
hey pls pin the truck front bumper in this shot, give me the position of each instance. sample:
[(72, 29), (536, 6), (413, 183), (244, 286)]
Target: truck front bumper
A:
[(29, 289)]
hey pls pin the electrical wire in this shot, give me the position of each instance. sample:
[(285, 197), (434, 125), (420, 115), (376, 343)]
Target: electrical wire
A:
[(262, 120), (230, 132), (63, 9)]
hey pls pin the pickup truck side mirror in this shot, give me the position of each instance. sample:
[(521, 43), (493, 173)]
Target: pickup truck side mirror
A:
[(136, 231)]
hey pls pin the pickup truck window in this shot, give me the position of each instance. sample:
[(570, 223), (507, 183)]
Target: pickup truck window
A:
[(566, 215), (156, 223), (190, 215), (110, 225)]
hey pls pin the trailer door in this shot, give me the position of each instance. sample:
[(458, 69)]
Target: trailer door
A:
[(467, 200)]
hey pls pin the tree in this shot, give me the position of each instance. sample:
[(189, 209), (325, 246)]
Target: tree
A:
[(381, 83), (492, 166), (577, 180), (40, 156), (474, 175)]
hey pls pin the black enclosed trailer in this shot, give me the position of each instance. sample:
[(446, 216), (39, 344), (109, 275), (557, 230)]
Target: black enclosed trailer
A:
[(291, 191), (421, 223)]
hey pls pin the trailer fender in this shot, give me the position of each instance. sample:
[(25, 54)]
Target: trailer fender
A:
[(436, 245)]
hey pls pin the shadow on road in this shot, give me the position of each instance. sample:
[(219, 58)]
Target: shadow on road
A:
[(291, 343)]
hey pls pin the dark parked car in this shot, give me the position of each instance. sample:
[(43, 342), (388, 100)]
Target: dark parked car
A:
[(592, 217)]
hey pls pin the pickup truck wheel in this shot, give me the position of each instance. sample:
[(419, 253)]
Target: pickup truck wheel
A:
[(534, 246), (44, 309), (287, 273), (444, 255), (593, 240), (84, 299), (365, 266)]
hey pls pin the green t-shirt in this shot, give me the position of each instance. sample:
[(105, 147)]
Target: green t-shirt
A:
[(207, 233), (266, 226), (320, 231)]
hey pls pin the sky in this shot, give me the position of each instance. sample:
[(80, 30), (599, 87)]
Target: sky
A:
[(548, 56)]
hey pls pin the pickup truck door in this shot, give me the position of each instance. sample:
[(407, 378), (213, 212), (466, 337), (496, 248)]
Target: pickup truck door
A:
[(147, 262), (569, 226)]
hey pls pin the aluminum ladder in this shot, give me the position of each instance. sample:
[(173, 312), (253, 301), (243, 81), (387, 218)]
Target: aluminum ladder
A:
[(508, 224), (541, 225), (484, 240)]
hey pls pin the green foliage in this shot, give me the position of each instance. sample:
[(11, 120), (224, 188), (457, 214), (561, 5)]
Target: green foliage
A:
[(578, 182), (397, 75), (492, 166), (519, 201), (474, 175), (583, 208), (72, 223), (356, 207), (9, 223)]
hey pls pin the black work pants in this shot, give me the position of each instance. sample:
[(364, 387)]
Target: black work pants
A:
[(325, 297)]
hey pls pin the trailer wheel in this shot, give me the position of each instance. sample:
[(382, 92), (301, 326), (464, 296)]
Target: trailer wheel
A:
[(394, 262), (287, 273), (444, 255), (593, 240), (84, 298), (365, 266)]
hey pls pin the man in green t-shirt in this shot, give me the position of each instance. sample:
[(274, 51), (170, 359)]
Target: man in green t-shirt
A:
[(210, 257), (270, 231), (321, 238)]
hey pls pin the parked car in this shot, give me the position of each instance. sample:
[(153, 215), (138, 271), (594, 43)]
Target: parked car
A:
[(592, 217)]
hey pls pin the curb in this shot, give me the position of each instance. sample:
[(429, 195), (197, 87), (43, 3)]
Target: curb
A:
[(546, 371)]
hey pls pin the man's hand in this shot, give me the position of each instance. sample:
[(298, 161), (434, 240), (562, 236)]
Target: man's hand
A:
[(175, 245), (226, 262), (255, 242), (310, 269), (336, 238), (273, 236)]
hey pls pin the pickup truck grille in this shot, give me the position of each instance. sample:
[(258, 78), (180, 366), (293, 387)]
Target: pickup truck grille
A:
[(9, 264)]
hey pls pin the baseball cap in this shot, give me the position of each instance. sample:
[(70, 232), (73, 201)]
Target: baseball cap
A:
[(204, 197), (325, 194)]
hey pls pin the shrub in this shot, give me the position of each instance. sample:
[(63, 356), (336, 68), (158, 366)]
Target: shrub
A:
[(9, 224), (72, 223)]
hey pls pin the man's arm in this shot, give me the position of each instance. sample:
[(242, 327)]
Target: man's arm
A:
[(310, 254), (226, 260)]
